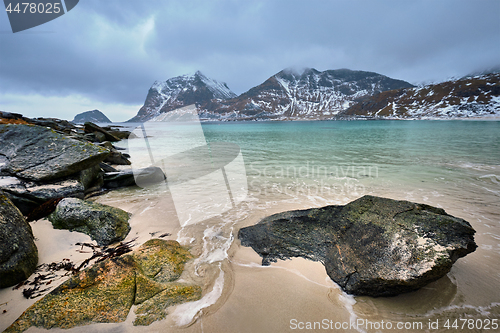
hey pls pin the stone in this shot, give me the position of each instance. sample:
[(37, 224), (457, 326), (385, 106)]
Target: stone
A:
[(102, 293), (18, 252), (41, 154), (372, 246), (107, 168), (28, 195), (117, 158), (101, 137), (145, 176), (91, 128), (91, 178), (105, 292), (54, 123), (121, 134), (161, 260), (104, 224)]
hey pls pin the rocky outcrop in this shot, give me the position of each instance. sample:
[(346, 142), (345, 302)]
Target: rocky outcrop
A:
[(41, 154), (102, 223), (372, 246), (105, 292), (18, 252)]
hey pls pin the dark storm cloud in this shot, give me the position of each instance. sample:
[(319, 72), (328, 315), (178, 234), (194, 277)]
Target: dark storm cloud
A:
[(112, 51)]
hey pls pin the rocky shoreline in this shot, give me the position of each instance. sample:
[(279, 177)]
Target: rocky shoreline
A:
[(48, 169)]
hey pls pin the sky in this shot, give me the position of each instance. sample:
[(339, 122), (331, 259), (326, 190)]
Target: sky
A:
[(106, 54)]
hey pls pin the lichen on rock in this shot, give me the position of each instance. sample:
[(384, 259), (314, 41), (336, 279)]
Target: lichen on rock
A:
[(105, 292), (104, 224), (372, 246)]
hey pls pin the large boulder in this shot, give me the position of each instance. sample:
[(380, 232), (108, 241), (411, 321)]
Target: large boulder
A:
[(41, 154), (104, 224), (18, 252), (105, 292), (372, 246)]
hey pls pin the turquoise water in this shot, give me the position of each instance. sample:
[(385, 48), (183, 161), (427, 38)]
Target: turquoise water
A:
[(454, 165), (372, 155)]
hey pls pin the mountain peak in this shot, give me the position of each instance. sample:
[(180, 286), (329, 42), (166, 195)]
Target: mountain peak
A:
[(180, 91)]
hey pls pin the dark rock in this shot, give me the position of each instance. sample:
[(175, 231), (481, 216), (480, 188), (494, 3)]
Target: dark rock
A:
[(117, 158), (18, 252), (54, 123), (91, 137), (121, 134), (100, 137), (107, 168), (91, 178), (107, 145), (28, 195), (102, 223), (11, 115), (372, 246), (91, 128), (145, 176), (41, 154), (105, 292)]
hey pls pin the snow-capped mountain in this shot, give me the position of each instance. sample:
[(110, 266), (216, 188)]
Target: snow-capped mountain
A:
[(289, 94), (182, 91), (310, 94), (477, 96)]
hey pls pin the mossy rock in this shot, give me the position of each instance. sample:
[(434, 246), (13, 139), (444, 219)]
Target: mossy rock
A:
[(372, 246), (104, 224), (105, 292), (18, 252), (156, 307), (162, 260)]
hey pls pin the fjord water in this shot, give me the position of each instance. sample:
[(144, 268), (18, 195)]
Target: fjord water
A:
[(295, 165), (454, 165)]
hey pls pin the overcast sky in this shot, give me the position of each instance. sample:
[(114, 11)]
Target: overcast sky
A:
[(105, 54)]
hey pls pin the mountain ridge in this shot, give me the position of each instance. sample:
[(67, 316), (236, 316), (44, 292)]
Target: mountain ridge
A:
[(309, 94), (467, 97), (288, 94)]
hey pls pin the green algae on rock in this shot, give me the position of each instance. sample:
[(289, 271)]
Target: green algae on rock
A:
[(105, 292), (104, 224), (372, 246), (155, 308)]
